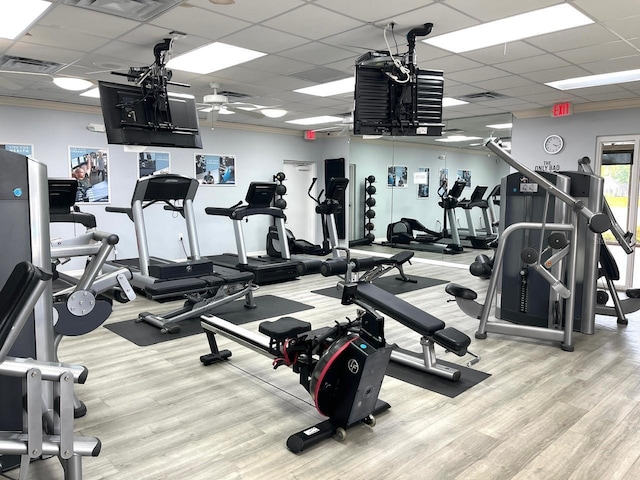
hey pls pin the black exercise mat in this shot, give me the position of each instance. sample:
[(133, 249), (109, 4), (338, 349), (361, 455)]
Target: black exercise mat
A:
[(469, 377), (390, 284), (267, 306)]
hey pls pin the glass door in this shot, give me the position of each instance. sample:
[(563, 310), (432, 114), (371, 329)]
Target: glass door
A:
[(617, 162)]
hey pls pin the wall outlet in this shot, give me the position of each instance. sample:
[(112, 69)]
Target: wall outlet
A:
[(180, 237)]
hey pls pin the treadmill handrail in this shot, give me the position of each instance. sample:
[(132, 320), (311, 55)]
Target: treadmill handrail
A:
[(238, 213)]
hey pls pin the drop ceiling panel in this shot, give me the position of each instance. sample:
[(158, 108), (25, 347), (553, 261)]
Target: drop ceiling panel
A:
[(603, 97), (264, 39), (549, 98), (318, 53), (128, 52), (362, 39), (573, 38), (310, 21), (86, 21), (371, 10), (241, 74), (504, 53), (545, 76), (609, 9), (598, 52), (532, 64), (503, 83), (279, 65), (251, 11), (476, 74), (450, 64), (625, 27), (62, 38), (494, 10), (613, 65), (198, 21)]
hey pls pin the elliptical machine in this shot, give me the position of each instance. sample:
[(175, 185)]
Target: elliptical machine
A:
[(326, 208)]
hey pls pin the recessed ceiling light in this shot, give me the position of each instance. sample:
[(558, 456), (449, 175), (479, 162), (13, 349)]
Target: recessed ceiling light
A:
[(213, 57), (457, 138), (17, 16), (315, 120), (71, 83), (336, 87), (452, 102), (500, 126), (538, 22), (596, 80), (273, 112), (93, 93)]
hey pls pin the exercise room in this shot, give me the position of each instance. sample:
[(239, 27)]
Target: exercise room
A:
[(319, 239)]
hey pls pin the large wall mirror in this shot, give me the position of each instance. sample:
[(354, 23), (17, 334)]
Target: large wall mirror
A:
[(411, 173)]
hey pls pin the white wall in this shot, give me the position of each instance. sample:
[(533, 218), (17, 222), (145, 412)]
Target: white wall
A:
[(373, 158), (258, 157), (579, 131)]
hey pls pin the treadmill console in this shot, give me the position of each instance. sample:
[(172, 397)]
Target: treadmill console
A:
[(260, 194)]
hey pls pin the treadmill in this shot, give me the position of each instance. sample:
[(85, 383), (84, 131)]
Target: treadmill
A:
[(474, 237), (265, 269)]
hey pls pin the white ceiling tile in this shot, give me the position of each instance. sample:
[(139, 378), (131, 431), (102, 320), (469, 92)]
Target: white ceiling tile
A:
[(503, 53), (613, 65), (279, 65), (198, 21), (532, 64), (318, 53), (281, 82), (625, 27), (87, 21), (526, 90), (598, 52), (312, 22), (63, 38), (372, 10), (148, 35), (496, 9), (549, 98), (545, 76), (602, 97), (450, 64), (250, 11), (584, 36), (363, 39), (243, 74), (264, 39), (136, 55), (609, 9), (475, 74), (502, 83)]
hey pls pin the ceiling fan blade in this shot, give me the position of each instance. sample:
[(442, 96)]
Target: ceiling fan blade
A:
[(250, 113)]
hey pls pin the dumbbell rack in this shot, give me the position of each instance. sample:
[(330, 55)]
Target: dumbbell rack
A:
[(369, 202)]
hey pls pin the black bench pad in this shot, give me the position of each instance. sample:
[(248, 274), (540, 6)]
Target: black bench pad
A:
[(283, 328), (453, 340), (230, 275), (401, 311), (178, 286)]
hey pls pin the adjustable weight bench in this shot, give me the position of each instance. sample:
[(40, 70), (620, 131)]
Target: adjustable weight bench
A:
[(431, 329)]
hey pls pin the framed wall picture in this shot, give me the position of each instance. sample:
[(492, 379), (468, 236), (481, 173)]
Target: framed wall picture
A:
[(152, 163), (423, 184), (466, 176), (215, 169), (90, 167), (397, 176), (20, 148), (443, 182)]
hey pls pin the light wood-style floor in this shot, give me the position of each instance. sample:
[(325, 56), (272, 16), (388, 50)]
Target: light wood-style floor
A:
[(543, 414)]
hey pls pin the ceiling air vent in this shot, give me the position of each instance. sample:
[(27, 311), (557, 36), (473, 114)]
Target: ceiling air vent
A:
[(139, 10), (482, 96), (31, 65)]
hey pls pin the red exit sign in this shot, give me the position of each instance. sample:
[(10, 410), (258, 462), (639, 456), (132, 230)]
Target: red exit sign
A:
[(561, 109), (309, 134)]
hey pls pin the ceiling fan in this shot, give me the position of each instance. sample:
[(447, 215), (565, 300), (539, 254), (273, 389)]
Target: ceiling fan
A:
[(216, 103)]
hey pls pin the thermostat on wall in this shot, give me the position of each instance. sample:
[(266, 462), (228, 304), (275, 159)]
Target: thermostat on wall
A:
[(553, 144)]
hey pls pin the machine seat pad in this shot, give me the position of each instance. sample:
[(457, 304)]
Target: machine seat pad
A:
[(213, 281), (633, 293), (453, 340), (401, 311), (179, 285), (460, 292), (283, 328)]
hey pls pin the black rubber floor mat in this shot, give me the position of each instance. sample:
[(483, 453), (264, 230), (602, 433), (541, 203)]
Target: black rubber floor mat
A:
[(267, 306)]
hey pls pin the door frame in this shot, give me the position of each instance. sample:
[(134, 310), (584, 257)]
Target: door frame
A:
[(632, 214)]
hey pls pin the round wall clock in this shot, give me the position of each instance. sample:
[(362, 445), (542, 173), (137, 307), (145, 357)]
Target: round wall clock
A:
[(553, 144)]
